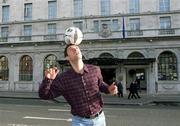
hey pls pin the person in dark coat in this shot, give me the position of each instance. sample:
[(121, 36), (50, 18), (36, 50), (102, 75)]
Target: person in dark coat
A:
[(136, 88), (132, 90), (120, 89)]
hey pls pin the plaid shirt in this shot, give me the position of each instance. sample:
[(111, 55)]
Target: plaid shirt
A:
[(82, 91)]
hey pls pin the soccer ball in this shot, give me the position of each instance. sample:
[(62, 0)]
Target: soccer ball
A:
[(73, 35)]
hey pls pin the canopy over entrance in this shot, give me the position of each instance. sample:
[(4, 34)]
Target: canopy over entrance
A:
[(114, 61)]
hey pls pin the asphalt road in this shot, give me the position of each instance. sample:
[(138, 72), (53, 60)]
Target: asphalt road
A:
[(34, 112)]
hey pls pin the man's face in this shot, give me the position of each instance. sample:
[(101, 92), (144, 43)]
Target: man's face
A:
[(74, 53)]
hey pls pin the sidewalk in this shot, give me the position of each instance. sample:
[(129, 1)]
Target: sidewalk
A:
[(108, 99)]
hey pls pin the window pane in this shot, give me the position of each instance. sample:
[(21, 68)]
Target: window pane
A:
[(115, 26), (28, 11), (165, 22), (4, 32), (96, 26), (105, 7), (78, 7), (164, 5), (5, 13), (79, 25), (51, 28), (26, 69), (27, 30), (4, 70), (134, 6), (134, 24), (52, 9)]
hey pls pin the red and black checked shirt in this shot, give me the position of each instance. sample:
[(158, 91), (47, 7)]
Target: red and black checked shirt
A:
[(82, 91)]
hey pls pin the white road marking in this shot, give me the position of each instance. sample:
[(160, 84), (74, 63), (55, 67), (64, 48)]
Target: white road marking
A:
[(59, 110), (45, 118), (6, 111)]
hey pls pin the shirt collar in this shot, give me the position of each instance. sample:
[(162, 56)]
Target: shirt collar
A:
[(85, 68)]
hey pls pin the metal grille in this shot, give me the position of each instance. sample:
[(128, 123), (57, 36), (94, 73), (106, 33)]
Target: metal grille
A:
[(4, 70), (167, 66), (26, 69), (50, 61)]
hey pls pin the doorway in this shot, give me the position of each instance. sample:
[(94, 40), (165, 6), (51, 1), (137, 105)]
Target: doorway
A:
[(137, 74), (108, 75)]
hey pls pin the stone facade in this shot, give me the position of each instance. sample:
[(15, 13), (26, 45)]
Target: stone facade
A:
[(149, 40)]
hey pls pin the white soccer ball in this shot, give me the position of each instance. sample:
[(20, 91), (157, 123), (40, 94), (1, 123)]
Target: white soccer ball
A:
[(73, 35)]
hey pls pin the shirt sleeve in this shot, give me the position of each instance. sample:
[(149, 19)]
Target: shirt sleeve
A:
[(103, 87), (50, 89)]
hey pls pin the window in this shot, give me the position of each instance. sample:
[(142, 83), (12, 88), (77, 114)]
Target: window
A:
[(4, 70), (134, 24), (27, 33), (106, 55), (52, 9), (27, 30), (52, 28), (26, 69), (164, 5), (135, 55), (4, 32), (28, 11), (96, 26), (134, 6), (5, 14), (79, 24), (50, 61), (165, 22), (115, 26), (105, 7), (106, 24), (167, 66), (78, 8)]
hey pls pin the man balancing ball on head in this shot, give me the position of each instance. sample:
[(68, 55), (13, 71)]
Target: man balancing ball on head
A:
[(81, 85)]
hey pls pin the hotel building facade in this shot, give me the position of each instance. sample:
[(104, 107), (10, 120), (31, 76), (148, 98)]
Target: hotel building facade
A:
[(128, 39)]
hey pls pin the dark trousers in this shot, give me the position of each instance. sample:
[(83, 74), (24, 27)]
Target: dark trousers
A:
[(132, 95), (120, 94)]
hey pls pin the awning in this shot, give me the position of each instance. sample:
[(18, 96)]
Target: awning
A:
[(114, 61)]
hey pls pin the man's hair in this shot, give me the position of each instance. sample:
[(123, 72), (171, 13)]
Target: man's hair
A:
[(65, 50)]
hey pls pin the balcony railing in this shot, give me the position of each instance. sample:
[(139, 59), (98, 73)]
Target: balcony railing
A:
[(135, 33), (50, 37), (25, 38), (95, 36), (3, 39), (166, 31)]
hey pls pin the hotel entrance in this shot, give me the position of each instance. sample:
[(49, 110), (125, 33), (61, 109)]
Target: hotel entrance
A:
[(108, 74), (138, 74)]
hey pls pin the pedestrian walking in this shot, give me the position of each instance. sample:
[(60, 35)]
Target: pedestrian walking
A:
[(120, 89), (132, 89)]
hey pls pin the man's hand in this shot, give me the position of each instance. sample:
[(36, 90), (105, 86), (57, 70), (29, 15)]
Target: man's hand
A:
[(51, 73), (113, 89)]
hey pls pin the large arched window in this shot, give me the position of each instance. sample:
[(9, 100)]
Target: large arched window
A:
[(135, 55), (106, 55), (167, 66), (50, 61), (4, 70), (26, 69)]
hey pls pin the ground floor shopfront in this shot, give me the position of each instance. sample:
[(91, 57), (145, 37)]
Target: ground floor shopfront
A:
[(157, 64)]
